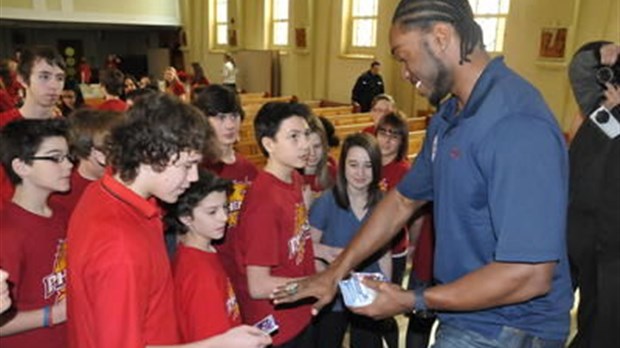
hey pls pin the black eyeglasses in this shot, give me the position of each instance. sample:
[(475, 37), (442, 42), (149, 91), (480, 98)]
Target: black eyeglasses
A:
[(388, 133), (54, 158)]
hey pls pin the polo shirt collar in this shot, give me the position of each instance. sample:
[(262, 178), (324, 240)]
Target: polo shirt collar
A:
[(485, 82), (146, 207)]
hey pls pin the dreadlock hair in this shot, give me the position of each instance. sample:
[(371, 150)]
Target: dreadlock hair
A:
[(424, 13)]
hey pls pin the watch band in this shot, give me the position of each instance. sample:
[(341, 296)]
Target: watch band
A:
[(420, 302)]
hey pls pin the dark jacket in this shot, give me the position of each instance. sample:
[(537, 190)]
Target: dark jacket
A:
[(367, 86), (594, 214)]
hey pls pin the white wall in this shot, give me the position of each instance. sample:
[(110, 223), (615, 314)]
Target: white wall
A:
[(141, 12)]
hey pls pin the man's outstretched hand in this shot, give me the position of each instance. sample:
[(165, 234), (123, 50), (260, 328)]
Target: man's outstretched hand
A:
[(321, 286), (391, 300)]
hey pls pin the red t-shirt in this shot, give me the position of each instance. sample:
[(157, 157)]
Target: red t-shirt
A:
[(242, 172), (120, 283), (274, 232), (200, 82), (312, 181), (9, 115), (13, 88), (205, 301), (423, 256), (391, 174), (113, 105), (370, 130), (6, 101), (33, 252), (85, 73), (176, 88), (68, 200)]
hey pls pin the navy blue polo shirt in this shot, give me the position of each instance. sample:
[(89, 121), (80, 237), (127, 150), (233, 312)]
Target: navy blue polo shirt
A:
[(497, 172)]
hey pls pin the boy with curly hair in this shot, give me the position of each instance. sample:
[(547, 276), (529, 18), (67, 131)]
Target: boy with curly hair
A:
[(121, 286)]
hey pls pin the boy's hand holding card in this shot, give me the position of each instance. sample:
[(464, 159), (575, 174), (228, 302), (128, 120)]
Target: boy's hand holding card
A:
[(268, 325)]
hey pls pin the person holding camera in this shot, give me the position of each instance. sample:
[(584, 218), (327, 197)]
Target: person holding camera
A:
[(594, 200)]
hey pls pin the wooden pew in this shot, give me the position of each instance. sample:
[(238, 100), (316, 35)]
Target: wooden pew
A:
[(264, 100), (251, 107), (338, 120), (251, 151), (333, 110), (417, 123), (249, 97), (416, 140)]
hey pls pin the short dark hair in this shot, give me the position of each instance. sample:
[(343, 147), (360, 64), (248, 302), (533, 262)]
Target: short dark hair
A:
[(214, 99), (22, 138), (159, 127), (138, 93), (198, 190), (88, 129), (375, 63), (368, 143), (73, 85), (32, 54), (423, 14), (113, 80), (330, 132), (270, 116), (399, 126)]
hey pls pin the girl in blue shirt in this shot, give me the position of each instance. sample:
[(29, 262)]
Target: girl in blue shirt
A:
[(335, 218)]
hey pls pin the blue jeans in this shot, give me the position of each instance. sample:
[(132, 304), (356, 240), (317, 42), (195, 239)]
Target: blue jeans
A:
[(448, 336)]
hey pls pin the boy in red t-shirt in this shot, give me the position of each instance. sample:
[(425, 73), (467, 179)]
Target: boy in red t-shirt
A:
[(272, 244), (32, 234), (112, 82), (392, 135), (121, 286), (88, 129), (205, 301), (223, 109), (42, 72)]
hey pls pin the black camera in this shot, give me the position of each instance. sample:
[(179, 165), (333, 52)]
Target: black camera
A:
[(608, 74)]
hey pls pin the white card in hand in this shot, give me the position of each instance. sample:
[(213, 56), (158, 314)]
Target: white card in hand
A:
[(356, 294)]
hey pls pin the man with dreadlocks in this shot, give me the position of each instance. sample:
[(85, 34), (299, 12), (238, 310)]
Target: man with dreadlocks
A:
[(495, 165)]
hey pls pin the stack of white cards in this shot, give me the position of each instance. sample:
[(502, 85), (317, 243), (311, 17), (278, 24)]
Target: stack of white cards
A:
[(356, 294)]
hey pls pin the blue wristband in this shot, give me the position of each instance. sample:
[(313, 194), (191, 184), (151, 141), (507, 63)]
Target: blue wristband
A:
[(46, 316), (420, 302)]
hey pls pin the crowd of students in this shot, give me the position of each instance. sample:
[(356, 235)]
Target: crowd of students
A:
[(151, 229)]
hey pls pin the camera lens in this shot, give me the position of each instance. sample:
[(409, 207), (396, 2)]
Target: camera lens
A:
[(602, 117), (604, 75)]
